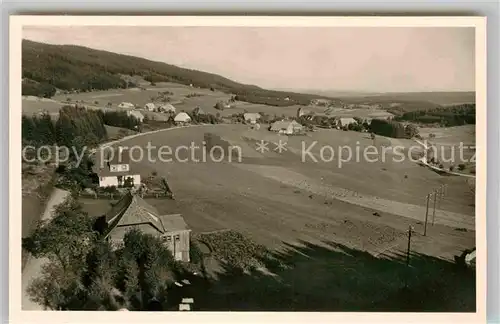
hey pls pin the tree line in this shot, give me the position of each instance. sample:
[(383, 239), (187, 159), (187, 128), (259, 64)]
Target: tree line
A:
[(75, 126), (446, 116), (119, 118)]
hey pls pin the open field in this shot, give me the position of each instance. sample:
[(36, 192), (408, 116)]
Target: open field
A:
[(181, 99), (447, 142), (341, 232), (276, 198)]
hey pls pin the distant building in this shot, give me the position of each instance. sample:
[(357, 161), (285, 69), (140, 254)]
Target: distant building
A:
[(126, 105), (251, 118), (198, 111), (346, 121), (287, 127), (116, 168), (166, 108), (302, 112), (381, 115), (136, 114), (182, 119), (132, 212), (149, 106)]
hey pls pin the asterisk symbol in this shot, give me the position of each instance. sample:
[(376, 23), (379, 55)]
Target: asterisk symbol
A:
[(280, 146), (262, 146)]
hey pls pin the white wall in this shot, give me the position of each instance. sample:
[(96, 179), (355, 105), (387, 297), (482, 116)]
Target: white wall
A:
[(113, 180)]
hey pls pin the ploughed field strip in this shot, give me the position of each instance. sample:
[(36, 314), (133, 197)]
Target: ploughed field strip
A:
[(389, 206)]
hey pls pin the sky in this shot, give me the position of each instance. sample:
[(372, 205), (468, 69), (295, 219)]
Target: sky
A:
[(365, 59)]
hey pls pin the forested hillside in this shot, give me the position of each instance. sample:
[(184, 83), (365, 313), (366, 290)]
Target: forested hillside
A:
[(68, 67), (456, 115)]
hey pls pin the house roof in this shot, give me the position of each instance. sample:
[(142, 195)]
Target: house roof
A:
[(182, 117), (284, 124), (126, 104), (115, 157), (347, 120), (252, 116), (133, 211)]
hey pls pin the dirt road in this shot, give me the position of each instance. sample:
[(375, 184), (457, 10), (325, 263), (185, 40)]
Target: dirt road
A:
[(33, 266)]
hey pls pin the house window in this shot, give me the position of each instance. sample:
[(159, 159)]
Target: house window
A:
[(177, 237), (169, 238), (101, 178)]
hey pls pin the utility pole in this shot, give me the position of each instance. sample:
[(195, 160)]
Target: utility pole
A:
[(408, 253), (426, 214), (409, 246), (434, 207)]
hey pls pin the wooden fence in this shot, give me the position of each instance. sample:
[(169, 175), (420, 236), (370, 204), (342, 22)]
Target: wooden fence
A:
[(118, 195)]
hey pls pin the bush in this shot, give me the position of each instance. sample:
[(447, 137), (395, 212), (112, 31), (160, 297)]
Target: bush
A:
[(461, 167)]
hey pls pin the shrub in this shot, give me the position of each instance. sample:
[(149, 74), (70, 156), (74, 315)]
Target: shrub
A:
[(461, 167)]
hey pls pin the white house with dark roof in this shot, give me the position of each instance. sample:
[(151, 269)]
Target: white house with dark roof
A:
[(132, 212), (116, 168)]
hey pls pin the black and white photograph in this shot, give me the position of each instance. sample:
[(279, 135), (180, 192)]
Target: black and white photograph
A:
[(250, 168)]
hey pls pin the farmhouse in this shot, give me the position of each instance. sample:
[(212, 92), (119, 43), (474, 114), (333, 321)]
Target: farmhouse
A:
[(182, 119), (166, 108), (116, 169), (136, 114), (149, 106), (251, 118), (132, 212), (287, 127), (126, 105)]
